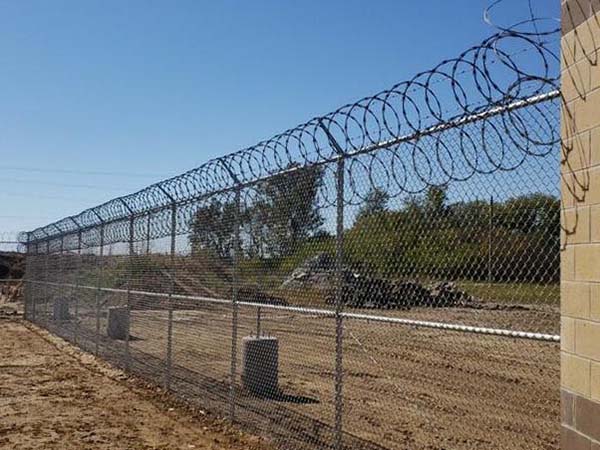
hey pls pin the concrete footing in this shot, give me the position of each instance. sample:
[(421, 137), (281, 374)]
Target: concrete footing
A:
[(60, 309), (118, 322), (260, 360)]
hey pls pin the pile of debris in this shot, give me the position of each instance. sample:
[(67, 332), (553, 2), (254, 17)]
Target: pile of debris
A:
[(12, 265), (11, 292), (315, 272), (363, 291), (252, 293)]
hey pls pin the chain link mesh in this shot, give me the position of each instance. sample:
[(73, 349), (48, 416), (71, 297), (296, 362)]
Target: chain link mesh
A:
[(384, 276)]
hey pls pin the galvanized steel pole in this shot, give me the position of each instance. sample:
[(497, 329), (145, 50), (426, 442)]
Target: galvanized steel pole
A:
[(339, 286), (98, 291), (128, 297), (169, 359)]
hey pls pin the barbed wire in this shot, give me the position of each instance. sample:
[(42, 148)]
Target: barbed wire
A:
[(468, 115)]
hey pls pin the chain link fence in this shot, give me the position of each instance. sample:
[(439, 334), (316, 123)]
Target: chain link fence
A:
[(384, 276), (12, 269)]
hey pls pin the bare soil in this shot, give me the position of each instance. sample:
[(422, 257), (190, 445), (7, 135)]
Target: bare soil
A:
[(404, 387), (53, 396)]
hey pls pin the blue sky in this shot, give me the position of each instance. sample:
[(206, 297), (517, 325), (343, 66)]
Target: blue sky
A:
[(144, 90)]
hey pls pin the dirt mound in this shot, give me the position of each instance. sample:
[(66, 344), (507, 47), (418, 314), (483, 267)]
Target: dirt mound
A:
[(11, 293), (360, 290), (254, 294), (12, 265)]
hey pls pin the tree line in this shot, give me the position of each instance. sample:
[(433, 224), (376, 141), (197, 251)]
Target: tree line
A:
[(515, 239)]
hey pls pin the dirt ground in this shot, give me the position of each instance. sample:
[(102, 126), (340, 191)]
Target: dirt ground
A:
[(53, 396), (404, 387)]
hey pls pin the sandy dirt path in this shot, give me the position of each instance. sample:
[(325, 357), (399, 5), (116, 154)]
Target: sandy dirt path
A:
[(52, 396)]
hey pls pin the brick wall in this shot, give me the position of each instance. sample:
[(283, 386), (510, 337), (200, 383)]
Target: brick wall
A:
[(580, 254)]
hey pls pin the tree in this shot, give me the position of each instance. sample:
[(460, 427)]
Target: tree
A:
[(282, 216), (435, 201), (212, 228), (376, 201), (287, 208)]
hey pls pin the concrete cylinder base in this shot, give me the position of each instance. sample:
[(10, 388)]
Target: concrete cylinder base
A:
[(260, 359), (61, 309), (118, 322)]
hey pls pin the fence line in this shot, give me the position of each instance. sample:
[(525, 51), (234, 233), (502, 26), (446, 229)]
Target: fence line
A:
[(303, 224), (327, 313)]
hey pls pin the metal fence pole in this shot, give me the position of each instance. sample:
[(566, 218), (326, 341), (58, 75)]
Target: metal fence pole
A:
[(61, 276), (234, 303), (148, 235), (490, 240), (339, 286), (98, 291), (258, 318), (27, 286), (131, 266), (169, 356), (76, 288), (35, 286), (46, 279), (339, 325)]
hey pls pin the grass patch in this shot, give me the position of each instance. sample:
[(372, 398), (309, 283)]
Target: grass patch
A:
[(516, 293)]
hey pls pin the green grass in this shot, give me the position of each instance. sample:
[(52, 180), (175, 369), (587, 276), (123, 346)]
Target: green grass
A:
[(516, 293)]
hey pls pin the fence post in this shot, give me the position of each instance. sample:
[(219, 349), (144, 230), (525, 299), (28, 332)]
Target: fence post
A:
[(339, 286), (76, 288), (131, 266), (490, 241), (234, 303), (36, 285), (47, 280), (60, 278), (148, 235), (339, 305), (99, 289), (27, 285), (169, 356), (234, 288)]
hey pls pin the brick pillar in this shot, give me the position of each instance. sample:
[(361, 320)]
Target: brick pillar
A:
[(580, 253)]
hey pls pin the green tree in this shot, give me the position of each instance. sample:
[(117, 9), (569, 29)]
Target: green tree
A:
[(376, 201), (287, 209), (212, 228), (435, 201)]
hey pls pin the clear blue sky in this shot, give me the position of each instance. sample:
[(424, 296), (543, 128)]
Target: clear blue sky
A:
[(148, 89)]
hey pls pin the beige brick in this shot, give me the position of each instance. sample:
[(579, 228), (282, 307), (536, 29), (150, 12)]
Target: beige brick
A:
[(568, 50), (567, 334), (575, 299), (595, 381), (595, 223), (587, 112), (575, 373), (567, 263), (587, 39), (568, 125), (576, 225), (587, 339), (574, 188), (587, 258), (595, 301), (576, 153), (595, 147), (594, 74), (576, 80), (592, 196)]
